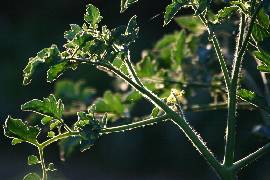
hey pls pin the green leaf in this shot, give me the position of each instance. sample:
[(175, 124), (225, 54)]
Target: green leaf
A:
[(51, 134), (171, 10), (92, 16), (89, 129), (253, 98), (165, 41), (202, 6), (259, 32), (71, 92), (49, 56), (126, 4), (55, 71), (191, 23), (32, 176), (177, 54), (133, 96), (54, 124), (16, 141), (71, 34), (264, 68), (155, 112), (51, 167), (109, 103), (132, 30), (46, 120), (48, 107), (244, 6), (224, 13), (32, 160), (15, 128), (262, 56), (146, 67), (263, 19)]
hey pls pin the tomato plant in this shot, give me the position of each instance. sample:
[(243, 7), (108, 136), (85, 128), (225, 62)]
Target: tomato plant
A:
[(163, 77)]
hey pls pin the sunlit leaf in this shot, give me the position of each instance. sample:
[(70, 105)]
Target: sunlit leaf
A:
[(15, 128), (51, 167), (125, 4), (48, 107), (224, 13), (32, 176), (179, 48), (109, 103), (253, 98), (89, 129), (92, 15), (172, 9), (259, 32), (32, 160), (191, 23), (50, 56)]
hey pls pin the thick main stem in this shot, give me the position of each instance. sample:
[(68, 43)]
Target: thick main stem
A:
[(231, 119)]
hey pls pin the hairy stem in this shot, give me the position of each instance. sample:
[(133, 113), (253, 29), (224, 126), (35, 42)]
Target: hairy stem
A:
[(231, 119), (218, 51), (43, 166), (131, 69), (134, 125), (237, 166), (182, 124), (58, 137)]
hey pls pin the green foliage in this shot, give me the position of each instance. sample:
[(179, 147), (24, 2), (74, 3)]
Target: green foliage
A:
[(32, 160), (254, 99), (172, 9), (48, 107), (191, 23), (49, 56), (18, 130), (264, 58), (92, 16), (126, 3), (225, 13), (32, 176), (110, 103), (178, 68)]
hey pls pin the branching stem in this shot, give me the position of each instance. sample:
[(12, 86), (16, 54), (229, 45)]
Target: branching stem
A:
[(180, 122), (237, 166), (231, 120)]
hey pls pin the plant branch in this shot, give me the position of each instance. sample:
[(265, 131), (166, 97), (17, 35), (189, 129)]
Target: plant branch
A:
[(131, 69), (231, 120), (237, 166), (43, 166), (58, 137), (218, 51), (182, 124), (215, 106), (134, 125)]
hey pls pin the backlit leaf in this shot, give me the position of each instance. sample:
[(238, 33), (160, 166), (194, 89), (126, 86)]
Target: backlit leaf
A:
[(253, 98), (172, 9), (92, 15), (32, 160), (48, 107), (126, 3), (32, 176), (15, 128)]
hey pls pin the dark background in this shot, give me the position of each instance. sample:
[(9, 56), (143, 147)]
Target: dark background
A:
[(156, 152)]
